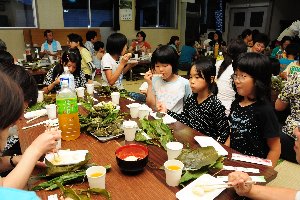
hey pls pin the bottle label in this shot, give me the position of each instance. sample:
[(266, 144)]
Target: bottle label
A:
[(67, 106)]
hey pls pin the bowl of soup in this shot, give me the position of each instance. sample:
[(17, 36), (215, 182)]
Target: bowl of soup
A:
[(132, 158)]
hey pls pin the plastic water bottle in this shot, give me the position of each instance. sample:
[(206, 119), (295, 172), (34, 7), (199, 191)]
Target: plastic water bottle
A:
[(67, 109), (220, 56), (216, 50), (67, 76)]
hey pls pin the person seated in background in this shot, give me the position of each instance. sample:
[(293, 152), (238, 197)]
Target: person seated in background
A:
[(292, 51), (11, 109), (260, 42), (224, 71), (50, 47), (97, 57), (140, 44), (187, 55), (87, 66), (70, 59), (113, 66), (246, 36), (217, 39), (278, 51), (3, 45), (289, 95), (91, 38), (6, 58), (259, 192), (275, 66), (166, 86), (293, 66), (174, 42)]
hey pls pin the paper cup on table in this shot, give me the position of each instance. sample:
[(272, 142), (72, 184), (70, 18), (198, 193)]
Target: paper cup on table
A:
[(40, 96), (115, 97), (96, 177), (51, 59), (51, 111), (129, 128), (90, 88), (174, 149), (80, 91), (136, 56), (134, 110), (24, 57), (144, 112), (173, 170)]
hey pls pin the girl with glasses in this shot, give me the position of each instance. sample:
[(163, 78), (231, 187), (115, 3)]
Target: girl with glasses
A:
[(254, 126)]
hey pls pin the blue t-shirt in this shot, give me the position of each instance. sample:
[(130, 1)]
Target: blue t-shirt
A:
[(11, 193), (187, 53), (284, 62)]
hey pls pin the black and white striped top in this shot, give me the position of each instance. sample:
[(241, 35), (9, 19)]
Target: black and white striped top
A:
[(207, 117)]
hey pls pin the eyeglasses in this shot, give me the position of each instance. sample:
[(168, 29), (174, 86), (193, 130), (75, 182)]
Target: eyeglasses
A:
[(241, 78)]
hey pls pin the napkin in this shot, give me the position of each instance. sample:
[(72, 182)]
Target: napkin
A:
[(35, 113), (167, 119)]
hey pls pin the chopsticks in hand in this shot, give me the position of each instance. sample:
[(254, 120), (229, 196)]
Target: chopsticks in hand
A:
[(221, 185)]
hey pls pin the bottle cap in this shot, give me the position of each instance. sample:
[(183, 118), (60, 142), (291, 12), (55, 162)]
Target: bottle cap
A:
[(66, 68)]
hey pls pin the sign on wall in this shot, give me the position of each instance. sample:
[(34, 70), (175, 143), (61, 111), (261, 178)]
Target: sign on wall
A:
[(126, 9)]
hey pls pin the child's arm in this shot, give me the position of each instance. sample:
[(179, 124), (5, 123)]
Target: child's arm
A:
[(275, 150), (280, 105), (150, 96), (227, 143), (221, 122)]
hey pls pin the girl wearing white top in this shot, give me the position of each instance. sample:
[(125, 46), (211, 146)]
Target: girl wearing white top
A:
[(224, 70)]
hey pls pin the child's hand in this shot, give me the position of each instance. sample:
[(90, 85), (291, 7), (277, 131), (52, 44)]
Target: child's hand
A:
[(125, 58), (238, 179), (148, 76), (161, 107), (46, 142)]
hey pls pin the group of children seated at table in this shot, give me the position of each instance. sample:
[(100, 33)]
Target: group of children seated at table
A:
[(239, 115)]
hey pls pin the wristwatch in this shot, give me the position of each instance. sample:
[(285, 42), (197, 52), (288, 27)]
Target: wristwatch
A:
[(11, 161)]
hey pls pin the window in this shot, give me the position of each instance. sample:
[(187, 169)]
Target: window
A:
[(256, 19), (158, 13), (239, 19), (88, 13), (18, 13)]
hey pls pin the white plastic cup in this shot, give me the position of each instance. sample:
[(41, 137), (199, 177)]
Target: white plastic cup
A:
[(134, 110), (136, 56), (98, 181), (90, 88), (143, 54), (144, 112), (24, 57), (51, 111), (173, 175), (115, 97), (174, 149), (80, 91), (129, 128), (40, 96), (150, 55), (51, 59)]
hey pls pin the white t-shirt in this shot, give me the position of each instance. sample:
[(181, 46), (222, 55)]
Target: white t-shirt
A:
[(108, 63), (226, 94), (172, 94), (50, 47), (297, 196)]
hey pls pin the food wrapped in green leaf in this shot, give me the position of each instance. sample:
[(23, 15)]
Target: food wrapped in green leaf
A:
[(197, 158), (56, 170)]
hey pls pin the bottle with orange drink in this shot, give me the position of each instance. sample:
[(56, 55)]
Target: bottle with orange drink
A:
[(67, 108)]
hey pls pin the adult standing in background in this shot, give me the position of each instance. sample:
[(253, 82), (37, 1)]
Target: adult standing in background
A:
[(50, 47), (87, 65), (140, 43), (91, 38)]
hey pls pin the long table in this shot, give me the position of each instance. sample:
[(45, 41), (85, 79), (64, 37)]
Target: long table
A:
[(150, 184)]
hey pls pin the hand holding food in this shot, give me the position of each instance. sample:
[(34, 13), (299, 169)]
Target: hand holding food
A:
[(125, 58), (46, 142), (148, 77), (161, 107), (238, 180)]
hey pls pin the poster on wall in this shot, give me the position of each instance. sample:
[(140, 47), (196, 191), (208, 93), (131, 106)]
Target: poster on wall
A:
[(126, 9)]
